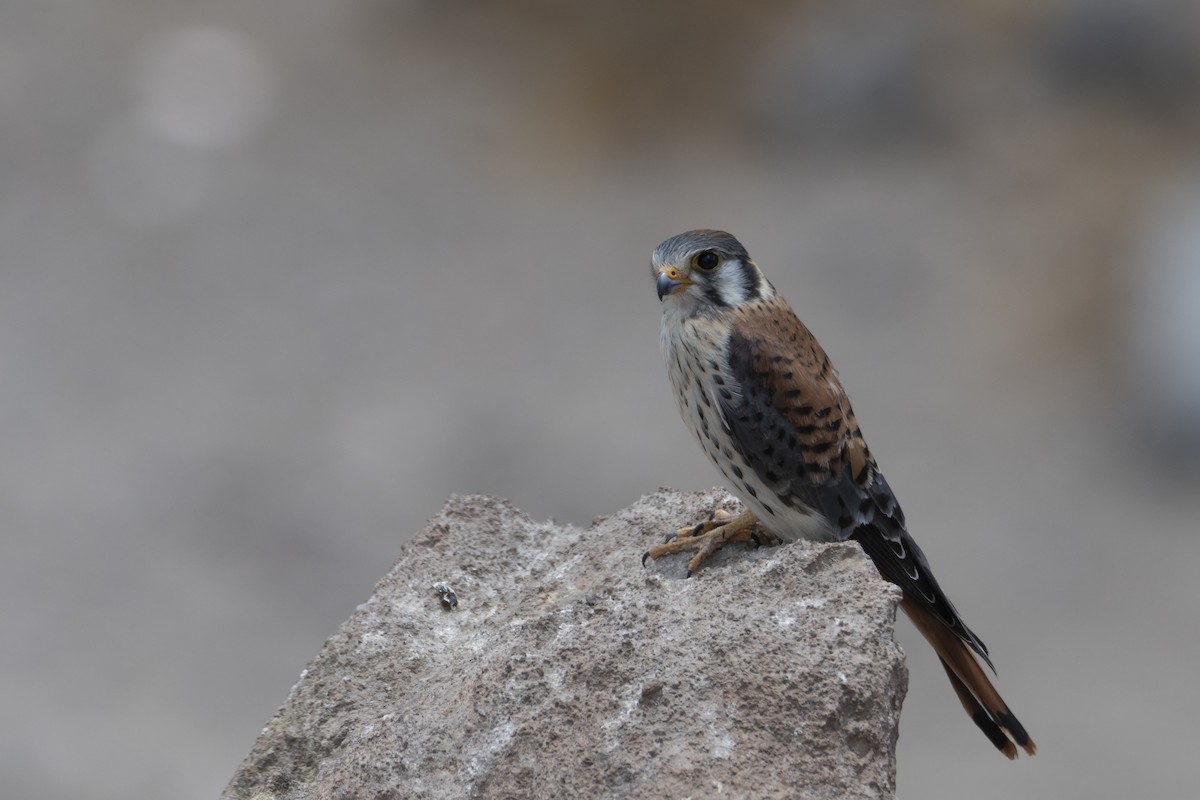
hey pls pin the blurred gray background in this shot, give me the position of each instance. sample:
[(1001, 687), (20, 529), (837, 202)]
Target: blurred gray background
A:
[(278, 277)]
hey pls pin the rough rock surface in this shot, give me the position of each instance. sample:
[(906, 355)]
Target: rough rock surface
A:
[(568, 670)]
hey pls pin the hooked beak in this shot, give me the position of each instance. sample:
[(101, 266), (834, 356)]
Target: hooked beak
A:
[(671, 280)]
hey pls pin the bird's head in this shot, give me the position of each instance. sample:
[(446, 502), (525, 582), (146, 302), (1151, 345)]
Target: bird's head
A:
[(706, 268)]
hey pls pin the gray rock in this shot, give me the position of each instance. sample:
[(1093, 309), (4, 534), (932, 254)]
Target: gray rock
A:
[(566, 669)]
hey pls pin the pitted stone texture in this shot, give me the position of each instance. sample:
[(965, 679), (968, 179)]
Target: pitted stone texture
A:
[(568, 670)]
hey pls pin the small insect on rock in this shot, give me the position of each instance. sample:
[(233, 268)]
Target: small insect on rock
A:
[(449, 597)]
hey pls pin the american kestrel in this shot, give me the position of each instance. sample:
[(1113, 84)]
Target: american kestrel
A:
[(762, 398)]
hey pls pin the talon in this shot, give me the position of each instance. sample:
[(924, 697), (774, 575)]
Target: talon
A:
[(708, 537)]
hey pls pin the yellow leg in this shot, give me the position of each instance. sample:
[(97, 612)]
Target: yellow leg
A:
[(710, 536)]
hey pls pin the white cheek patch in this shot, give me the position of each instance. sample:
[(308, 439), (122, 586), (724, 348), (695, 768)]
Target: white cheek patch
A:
[(729, 282)]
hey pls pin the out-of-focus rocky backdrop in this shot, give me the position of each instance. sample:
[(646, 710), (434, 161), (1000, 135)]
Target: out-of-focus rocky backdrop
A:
[(276, 278)]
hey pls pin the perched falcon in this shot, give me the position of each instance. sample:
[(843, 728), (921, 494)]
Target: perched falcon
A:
[(761, 397)]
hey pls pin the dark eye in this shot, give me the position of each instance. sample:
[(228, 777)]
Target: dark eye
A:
[(707, 261)]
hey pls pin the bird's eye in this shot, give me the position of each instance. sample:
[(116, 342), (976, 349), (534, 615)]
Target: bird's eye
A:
[(707, 261)]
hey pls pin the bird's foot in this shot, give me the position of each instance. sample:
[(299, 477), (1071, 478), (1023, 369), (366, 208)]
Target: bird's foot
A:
[(709, 536)]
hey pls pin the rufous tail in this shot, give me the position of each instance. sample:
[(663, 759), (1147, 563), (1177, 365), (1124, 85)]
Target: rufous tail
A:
[(978, 696)]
